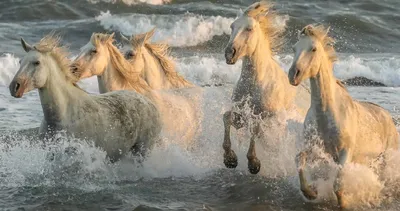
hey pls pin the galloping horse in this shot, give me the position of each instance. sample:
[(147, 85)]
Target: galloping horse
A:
[(117, 121), (179, 108), (262, 83), (351, 131), (153, 62)]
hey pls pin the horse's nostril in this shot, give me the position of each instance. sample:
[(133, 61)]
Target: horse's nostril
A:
[(233, 51), (297, 72), (74, 68), (17, 85)]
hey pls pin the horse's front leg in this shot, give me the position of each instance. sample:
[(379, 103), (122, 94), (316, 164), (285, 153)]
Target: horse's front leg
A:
[(305, 188), (230, 158), (254, 163), (343, 158)]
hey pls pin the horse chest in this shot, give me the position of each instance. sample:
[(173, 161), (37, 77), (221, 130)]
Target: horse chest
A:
[(325, 126), (248, 93)]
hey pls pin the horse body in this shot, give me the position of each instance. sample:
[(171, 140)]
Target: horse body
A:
[(179, 108), (263, 85), (351, 131), (117, 122)]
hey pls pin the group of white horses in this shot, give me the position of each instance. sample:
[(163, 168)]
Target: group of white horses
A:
[(142, 94)]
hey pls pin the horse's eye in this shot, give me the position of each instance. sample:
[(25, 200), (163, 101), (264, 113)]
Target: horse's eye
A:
[(20, 61), (36, 63), (93, 51), (314, 49), (249, 29)]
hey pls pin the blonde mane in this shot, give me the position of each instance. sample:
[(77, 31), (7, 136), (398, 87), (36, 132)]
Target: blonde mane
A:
[(51, 43), (122, 66), (321, 34), (263, 13), (161, 53)]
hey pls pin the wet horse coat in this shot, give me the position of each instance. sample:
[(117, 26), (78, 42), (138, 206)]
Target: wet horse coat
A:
[(351, 131), (117, 122)]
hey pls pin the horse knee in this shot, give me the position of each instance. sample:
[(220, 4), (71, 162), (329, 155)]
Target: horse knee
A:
[(237, 121), (138, 150), (301, 159)]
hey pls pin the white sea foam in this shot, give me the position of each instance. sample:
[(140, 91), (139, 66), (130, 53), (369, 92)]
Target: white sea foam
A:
[(177, 30)]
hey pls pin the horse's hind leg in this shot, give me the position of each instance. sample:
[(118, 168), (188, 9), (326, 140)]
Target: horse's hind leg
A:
[(253, 163), (307, 190), (230, 158)]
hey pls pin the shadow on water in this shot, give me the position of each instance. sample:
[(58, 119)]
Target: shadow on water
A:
[(220, 190)]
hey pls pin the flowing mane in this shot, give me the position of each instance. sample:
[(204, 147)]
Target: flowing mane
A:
[(161, 53), (321, 34), (122, 66), (263, 13), (51, 43)]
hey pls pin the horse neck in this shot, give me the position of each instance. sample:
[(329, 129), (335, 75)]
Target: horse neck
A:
[(110, 80), (153, 70), (323, 92), (113, 80), (102, 84), (59, 98), (260, 66)]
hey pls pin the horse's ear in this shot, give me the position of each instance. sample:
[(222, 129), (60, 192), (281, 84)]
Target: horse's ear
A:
[(298, 34), (327, 31), (111, 36), (124, 39), (25, 45), (239, 13), (149, 34)]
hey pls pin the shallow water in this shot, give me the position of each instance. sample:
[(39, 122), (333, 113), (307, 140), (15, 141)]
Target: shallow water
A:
[(173, 178)]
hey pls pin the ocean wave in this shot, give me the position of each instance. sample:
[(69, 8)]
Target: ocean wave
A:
[(132, 2), (178, 30), (9, 65)]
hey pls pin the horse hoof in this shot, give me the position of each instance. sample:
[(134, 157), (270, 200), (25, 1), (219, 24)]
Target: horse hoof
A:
[(254, 166), (342, 203), (230, 160), (309, 193)]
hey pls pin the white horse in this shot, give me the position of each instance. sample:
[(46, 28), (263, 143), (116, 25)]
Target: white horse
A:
[(117, 122), (262, 83), (351, 131), (153, 62), (179, 108)]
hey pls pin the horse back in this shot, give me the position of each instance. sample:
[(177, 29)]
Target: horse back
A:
[(381, 121)]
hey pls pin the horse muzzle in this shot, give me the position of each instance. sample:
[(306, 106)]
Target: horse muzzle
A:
[(294, 75), (230, 55), (17, 89)]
